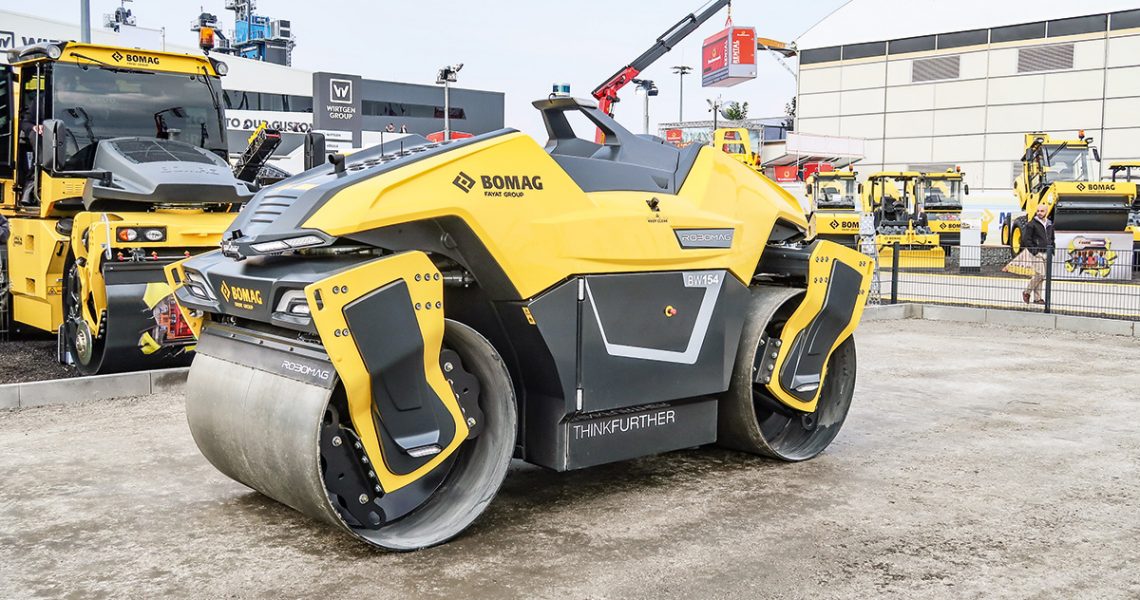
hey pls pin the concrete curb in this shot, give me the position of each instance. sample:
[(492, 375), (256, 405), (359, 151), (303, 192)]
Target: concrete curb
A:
[(83, 389), (1014, 318)]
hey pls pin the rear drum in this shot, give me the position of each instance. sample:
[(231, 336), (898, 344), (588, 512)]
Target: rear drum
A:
[(751, 419)]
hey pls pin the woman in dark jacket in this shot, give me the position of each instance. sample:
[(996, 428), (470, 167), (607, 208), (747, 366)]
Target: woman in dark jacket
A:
[(1037, 237)]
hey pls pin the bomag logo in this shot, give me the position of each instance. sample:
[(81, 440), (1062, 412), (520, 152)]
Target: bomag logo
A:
[(241, 297), (134, 59), (1097, 187), (837, 224), (499, 186)]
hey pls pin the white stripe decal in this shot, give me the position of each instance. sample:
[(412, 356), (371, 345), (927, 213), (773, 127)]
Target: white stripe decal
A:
[(696, 339)]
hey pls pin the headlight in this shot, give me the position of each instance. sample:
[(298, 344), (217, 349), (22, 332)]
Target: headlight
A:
[(198, 286), (288, 244), (155, 234), (221, 68), (294, 303)]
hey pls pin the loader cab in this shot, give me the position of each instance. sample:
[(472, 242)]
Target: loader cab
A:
[(834, 190), (737, 143), (1049, 161), (941, 191), (7, 136), (83, 95)]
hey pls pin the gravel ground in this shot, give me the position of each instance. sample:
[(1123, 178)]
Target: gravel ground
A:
[(1005, 467), (31, 360)]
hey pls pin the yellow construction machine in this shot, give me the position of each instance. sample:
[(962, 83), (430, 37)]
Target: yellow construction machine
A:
[(833, 216), (113, 164), (379, 336), (1129, 172), (940, 194), (737, 143), (1060, 174), (900, 219)]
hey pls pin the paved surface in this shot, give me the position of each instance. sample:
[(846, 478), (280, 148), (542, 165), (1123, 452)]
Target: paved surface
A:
[(974, 474), (1077, 297), (31, 360)]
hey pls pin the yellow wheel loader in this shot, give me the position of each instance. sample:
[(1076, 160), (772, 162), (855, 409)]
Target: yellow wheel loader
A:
[(832, 196), (379, 336), (113, 164), (900, 219), (1059, 174)]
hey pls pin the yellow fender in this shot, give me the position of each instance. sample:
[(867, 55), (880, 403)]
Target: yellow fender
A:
[(330, 302), (839, 280)]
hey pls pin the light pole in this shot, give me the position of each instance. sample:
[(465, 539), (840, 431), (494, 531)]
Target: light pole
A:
[(714, 108), (681, 71), (446, 77), (649, 89)]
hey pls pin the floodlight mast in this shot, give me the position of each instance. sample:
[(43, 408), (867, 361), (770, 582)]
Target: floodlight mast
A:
[(447, 76), (607, 93)]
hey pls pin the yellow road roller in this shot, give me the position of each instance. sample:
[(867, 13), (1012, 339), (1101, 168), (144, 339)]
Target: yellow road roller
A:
[(832, 196), (379, 336)]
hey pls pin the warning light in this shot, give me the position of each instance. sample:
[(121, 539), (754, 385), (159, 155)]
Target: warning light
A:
[(206, 38), (670, 311), (1081, 134)]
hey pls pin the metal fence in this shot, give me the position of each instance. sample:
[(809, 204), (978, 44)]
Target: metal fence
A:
[(1084, 283)]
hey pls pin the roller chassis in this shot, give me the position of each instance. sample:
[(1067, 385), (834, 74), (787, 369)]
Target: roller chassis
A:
[(625, 343)]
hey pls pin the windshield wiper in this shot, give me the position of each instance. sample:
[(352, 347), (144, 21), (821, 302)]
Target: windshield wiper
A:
[(1049, 156)]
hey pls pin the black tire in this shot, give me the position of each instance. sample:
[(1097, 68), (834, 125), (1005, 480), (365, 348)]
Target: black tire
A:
[(750, 420), (87, 360), (1016, 234), (481, 466)]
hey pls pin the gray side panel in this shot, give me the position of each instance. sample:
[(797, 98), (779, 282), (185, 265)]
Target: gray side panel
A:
[(556, 317), (617, 372)]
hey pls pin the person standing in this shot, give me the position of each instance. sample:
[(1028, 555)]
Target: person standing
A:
[(1037, 239)]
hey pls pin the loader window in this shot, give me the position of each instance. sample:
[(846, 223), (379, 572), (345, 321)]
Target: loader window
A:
[(940, 193), (1066, 164), (101, 103), (838, 193)]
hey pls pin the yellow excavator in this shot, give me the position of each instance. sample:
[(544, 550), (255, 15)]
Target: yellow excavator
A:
[(113, 164), (379, 336), (832, 197), (1059, 174), (900, 218)]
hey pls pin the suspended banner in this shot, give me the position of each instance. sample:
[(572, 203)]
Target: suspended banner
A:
[(729, 57)]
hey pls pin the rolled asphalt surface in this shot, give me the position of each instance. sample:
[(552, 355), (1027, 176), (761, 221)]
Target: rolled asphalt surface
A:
[(978, 461)]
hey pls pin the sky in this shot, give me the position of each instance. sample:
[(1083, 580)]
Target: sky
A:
[(520, 47)]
